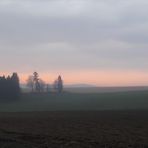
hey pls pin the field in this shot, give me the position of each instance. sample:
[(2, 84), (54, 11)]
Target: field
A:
[(76, 120), (78, 101), (78, 129)]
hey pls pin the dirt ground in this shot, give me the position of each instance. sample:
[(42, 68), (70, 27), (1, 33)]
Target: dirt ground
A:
[(74, 129)]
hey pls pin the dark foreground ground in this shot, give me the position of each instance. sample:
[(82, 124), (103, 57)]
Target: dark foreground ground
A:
[(74, 129)]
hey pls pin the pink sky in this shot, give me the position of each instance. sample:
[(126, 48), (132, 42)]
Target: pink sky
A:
[(100, 78)]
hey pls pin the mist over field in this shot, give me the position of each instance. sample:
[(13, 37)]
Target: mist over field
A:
[(93, 89), (84, 101)]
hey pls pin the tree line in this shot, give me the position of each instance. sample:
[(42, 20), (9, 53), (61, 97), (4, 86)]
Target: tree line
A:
[(36, 84), (9, 87)]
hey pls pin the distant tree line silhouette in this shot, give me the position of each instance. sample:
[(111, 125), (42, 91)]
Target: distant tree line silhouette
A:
[(38, 85), (9, 87)]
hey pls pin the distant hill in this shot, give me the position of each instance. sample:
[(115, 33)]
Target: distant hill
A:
[(105, 89), (79, 85)]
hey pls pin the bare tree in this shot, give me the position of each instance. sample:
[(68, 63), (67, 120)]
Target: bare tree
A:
[(36, 82)]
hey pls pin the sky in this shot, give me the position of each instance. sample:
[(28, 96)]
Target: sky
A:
[(100, 42)]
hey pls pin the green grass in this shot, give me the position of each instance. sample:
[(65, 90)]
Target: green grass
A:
[(74, 101)]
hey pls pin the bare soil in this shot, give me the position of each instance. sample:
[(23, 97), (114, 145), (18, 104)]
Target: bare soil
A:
[(74, 129)]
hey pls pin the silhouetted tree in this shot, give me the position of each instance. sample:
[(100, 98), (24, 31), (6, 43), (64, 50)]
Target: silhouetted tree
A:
[(9, 87), (60, 84), (36, 81), (15, 85)]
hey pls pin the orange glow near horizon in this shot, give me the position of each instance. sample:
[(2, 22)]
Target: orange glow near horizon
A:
[(100, 78)]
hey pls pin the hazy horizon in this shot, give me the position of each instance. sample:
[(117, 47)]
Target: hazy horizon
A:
[(101, 43)]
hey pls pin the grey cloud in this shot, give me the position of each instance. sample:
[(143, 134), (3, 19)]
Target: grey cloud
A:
[(28, 28), (91, 25)]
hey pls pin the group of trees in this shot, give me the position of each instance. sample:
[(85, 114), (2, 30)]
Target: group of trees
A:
[(38, 85), (9, 87)]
